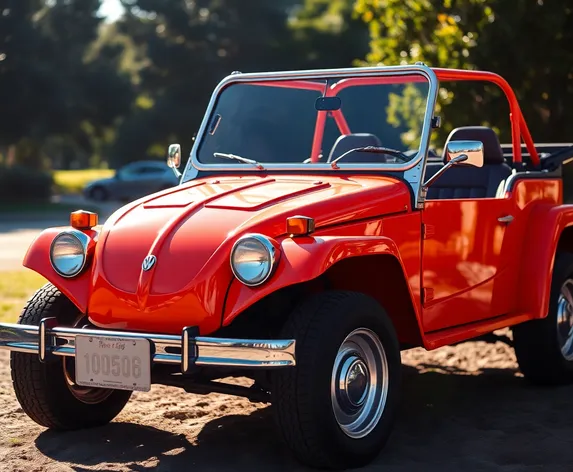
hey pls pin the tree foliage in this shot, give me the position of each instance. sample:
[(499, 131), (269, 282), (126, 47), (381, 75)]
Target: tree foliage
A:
[(528, 43), (188, 47), (53, 98), (328, 34), (80, 91)]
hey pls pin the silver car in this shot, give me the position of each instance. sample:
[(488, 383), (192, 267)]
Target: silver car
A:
[(132, 181)]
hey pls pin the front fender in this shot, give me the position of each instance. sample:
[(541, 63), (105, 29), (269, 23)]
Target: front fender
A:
[(545, 228), (37, 258), (303, 259)]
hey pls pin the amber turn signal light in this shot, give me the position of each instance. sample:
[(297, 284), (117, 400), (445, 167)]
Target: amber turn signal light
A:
[(82, 219), (300, 225)]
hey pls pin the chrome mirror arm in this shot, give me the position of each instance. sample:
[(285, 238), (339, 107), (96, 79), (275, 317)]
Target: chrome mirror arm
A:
[(453, 162)]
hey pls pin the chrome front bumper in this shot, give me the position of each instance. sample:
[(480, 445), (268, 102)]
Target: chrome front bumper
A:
[(48, 340)]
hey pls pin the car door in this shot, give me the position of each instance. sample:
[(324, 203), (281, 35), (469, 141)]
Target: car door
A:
[(462, 260)]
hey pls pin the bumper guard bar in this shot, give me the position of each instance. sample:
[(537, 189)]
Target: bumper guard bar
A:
[(48, 340)]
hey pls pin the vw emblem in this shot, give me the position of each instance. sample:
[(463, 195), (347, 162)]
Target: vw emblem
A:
[(148, 262)]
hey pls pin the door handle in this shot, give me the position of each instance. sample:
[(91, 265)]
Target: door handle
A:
[(505, 219)]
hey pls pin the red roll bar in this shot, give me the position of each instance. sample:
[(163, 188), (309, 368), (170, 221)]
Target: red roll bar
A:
[(519, 129)]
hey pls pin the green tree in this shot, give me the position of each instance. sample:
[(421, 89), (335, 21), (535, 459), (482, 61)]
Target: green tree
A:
[(185, 49), (22, 81), (528, 43), (53, 98), (328, 34)]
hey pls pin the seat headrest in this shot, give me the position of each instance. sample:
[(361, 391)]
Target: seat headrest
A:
[(492, 152), (346, 142)]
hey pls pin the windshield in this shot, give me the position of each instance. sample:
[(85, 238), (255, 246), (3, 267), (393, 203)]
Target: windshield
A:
[(290, 121)]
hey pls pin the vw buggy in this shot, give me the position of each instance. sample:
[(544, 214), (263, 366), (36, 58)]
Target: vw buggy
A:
[(312, 237)]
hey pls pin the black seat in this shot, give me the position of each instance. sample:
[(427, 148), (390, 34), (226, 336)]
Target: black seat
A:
[(467, 181), (346, 142)]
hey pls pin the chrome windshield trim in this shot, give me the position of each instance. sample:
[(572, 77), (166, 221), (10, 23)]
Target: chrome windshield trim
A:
[(424, 70)]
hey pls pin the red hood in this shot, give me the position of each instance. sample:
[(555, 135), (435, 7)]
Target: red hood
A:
[(197, 222)]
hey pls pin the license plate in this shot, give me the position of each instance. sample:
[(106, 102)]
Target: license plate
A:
[(110, 362)]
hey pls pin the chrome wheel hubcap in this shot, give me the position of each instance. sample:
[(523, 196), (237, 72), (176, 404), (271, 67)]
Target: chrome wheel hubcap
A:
[(359, 384), (565, 319)]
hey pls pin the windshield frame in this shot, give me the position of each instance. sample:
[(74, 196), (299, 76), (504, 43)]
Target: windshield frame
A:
[(194, 165)]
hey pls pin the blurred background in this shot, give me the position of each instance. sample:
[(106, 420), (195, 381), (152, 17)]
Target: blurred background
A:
[(93, 91), (88, 86)]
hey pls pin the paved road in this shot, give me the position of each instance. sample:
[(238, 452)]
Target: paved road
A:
[(13, 246), (17, 234)]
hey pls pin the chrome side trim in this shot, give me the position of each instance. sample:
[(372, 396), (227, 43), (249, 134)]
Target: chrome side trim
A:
[(183, 350)]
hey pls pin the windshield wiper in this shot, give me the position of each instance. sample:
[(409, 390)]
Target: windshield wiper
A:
[(374, 149), (224, 155)]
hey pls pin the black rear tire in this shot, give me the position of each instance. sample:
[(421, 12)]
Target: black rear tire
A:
[(537, 344), (302, 396), (43, 390)]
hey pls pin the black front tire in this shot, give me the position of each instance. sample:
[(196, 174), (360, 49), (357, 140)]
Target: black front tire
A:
[(304, 398), (43, 389), (538, 346)]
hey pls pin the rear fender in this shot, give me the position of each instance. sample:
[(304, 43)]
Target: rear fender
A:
[(304, 259), (544, 236), (37, 258)]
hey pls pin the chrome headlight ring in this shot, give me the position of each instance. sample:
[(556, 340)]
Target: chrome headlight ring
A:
[(253, 259), (69, 253)]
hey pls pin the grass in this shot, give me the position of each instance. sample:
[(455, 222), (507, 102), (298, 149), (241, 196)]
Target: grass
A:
[(15, 289), (66, 182), (73, 181)]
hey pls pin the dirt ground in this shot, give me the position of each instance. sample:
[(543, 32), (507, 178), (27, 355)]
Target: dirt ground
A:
[(465, 408)]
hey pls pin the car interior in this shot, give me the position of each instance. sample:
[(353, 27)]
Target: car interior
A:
[(468, 181), (346, 142), (499, 173), (496, 176)]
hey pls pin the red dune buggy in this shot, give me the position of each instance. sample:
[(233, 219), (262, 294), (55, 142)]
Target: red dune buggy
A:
[(312, 237)]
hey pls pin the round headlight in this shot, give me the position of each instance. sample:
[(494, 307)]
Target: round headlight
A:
[(253, 259), (68, 253)]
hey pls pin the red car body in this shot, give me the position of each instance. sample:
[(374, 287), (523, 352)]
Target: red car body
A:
[(457, 277), (440, 270)]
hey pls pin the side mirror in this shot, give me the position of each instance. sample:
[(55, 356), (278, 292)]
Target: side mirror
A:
[(472, 149), (174, 158), (469, 153)]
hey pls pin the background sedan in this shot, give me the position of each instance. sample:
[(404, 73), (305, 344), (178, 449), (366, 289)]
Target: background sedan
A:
[(132, 181)]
